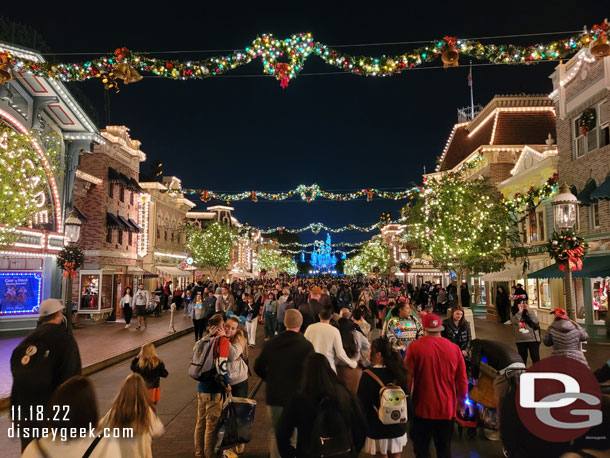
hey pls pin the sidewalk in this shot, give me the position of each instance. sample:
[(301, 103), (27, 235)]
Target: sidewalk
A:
[(101, 344)]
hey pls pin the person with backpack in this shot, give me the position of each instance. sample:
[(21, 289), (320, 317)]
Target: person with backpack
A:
[(132, 408), (387, 371), (212, 353), (326, 416), (45, 359), (151, 368), (280, 365), (74, 395), (437, 372)]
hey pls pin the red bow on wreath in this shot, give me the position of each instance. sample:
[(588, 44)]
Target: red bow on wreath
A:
[(281, 73), (574, 260), (120, 53), (69, 270)]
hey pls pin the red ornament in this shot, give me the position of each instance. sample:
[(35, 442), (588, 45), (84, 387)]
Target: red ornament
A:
[(169, 64), (120, 53), (205, 196), (281, 73)]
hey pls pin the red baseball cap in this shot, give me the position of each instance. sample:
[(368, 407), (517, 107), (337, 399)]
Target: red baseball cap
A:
[(432, 323)]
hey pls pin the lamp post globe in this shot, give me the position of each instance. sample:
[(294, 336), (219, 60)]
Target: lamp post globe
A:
[(72, 229), (565, 207)]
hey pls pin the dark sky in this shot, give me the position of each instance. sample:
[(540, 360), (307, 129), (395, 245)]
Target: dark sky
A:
[(344, 132)]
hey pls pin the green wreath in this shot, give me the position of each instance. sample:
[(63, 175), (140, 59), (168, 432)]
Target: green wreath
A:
[(566, 244), (588, 120), (405, 266), (71, 257)]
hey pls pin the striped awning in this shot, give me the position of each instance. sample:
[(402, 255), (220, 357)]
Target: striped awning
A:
[(135, 225), (592, 267), (584, 196), (113, 222), (511, 272)]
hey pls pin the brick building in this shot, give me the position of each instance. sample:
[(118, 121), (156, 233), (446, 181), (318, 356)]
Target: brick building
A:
[(582, 86), (162, 245), (106, 193), (491, 144)]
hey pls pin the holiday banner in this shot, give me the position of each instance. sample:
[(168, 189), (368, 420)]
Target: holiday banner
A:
[(20, 292)]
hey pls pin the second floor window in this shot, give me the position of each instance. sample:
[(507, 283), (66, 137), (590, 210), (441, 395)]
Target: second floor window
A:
[(122, 194), (120, 237), (129, 238), (131, 198), (533, 227), (110, 190), (596, 137), (109, 235)]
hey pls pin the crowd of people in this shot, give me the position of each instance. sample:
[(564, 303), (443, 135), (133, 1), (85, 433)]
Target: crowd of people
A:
[(332, 349)]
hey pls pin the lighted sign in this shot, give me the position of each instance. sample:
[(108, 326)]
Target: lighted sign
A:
[(20, 292)]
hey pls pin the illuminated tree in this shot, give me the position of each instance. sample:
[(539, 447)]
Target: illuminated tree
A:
[(462, 225), (271, 258), (210, 247), (22, 183), (374, 255)]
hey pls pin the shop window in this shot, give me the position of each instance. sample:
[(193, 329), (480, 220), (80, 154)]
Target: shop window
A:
[(129, 238), (594, 215), (131, 198), (120, 237), (109, 235), (545, 293), (532, 292), (604, 135), (121, 193), (600, 294), (110, 190), (90, 290), (106, 292)]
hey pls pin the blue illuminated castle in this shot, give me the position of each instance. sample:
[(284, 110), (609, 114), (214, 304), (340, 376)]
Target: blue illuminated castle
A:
[(322, 260)]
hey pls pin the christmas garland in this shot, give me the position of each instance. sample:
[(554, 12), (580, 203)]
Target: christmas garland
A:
[(284, 59), (307, 193), (587, 120), (567, 248), (529, 201), (316, 228), (69, 260)]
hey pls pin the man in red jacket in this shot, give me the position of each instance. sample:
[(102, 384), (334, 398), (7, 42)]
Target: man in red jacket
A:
[(437, 375)]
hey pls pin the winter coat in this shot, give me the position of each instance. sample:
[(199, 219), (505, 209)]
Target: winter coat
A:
[(565, 336), (459, 335), (237, 367), (522, 326), (151, 375)]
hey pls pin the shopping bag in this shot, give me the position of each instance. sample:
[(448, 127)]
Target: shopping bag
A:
[(235, 424)]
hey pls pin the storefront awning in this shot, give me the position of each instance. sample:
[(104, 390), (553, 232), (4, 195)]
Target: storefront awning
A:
[(511, 272), (135, 186), (114, 176), (126, 226), (602, 191), (80, 215), (113, 222), (592, 267), (135, 225), (174, 271), (584, 196)]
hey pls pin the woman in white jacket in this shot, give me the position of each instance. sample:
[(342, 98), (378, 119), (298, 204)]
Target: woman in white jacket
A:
[(238, 358)]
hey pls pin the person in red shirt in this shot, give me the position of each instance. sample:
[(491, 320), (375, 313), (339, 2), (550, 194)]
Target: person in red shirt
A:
[(439, 385)]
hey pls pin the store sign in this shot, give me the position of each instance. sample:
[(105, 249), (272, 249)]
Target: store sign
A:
[(419, 263), (20, 292), (529, 250)]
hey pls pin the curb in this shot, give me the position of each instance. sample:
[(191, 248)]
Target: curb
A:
[(101, 365)]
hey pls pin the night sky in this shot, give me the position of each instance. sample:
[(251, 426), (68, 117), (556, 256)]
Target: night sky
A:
[(242, 131)]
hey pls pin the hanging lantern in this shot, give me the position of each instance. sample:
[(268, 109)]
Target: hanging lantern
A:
[(127, 73), (449, 55), (5, 68), (109, 81), (205, 196)]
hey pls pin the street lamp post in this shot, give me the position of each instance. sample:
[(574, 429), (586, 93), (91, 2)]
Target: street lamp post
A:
[(71, 236), (565, 216)]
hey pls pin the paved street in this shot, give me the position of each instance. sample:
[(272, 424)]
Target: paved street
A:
[(177, 408)]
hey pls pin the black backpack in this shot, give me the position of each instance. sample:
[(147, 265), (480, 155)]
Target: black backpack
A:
[(330, 435)]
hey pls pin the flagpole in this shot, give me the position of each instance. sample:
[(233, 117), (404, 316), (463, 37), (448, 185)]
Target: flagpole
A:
[(471, 94)]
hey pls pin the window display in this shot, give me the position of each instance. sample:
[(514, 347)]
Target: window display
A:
[(600, 288), (20, 292), (532, 292), (106, 291), (90, 291), (544, 289)]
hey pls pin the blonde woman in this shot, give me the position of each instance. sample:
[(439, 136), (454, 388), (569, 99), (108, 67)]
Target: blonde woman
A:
[(238, 358), (151, 368), (132, 408)]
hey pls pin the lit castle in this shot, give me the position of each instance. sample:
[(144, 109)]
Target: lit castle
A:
[(322, 261)]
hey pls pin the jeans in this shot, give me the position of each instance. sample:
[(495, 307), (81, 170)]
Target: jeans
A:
[(251, 328), (534, 350), (209, 408), (240, 390), (127, 313), (199, 327), (439, 431), (270, 324), (275, 412)]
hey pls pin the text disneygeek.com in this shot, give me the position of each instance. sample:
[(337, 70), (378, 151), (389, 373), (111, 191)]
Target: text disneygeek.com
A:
[(64, 434)]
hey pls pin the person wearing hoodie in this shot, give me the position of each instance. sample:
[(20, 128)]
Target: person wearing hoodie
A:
[(566, 337), (527, 331)]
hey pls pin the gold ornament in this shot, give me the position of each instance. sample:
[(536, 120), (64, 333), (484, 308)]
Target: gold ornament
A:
[(127, 73), (5, 68), (450, 56), (600, 47)]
